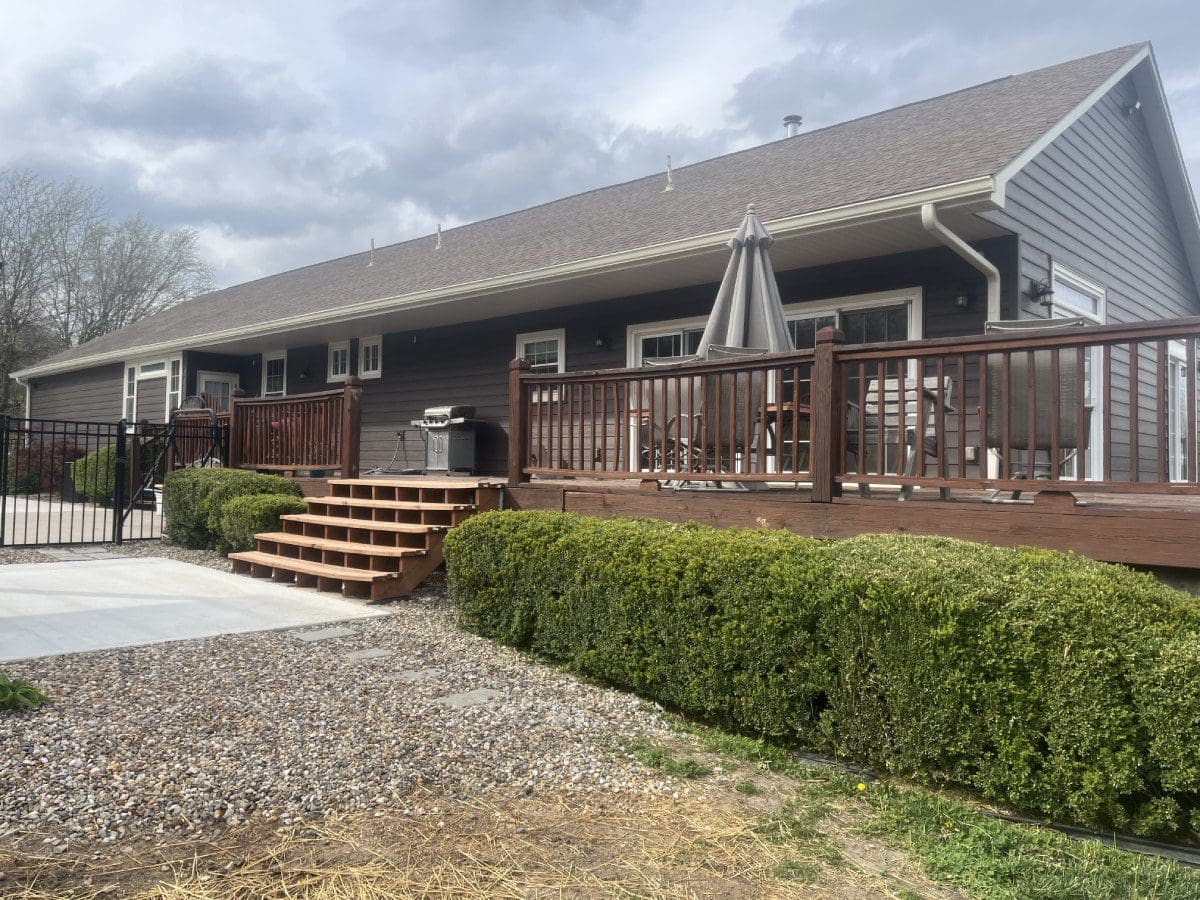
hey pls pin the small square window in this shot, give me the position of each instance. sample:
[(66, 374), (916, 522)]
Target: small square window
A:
[(339, 360), (370, 357), (275, 374), (544, 350)]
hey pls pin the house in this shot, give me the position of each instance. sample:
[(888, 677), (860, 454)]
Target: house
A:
[(1059, 192)]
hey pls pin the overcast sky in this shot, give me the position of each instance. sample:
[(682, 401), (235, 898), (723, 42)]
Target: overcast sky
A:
[(292, 132)]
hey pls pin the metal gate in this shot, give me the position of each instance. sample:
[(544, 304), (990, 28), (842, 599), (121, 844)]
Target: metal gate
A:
[(67, 482)]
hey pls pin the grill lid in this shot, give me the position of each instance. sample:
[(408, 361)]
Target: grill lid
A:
[(436, 413)]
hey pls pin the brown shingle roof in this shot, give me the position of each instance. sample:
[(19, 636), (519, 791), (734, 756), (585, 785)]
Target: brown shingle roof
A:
[(967, 134)]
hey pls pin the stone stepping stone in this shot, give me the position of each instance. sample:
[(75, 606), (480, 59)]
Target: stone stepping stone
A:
[(477, 697), (369, 653), (413, 676), (324, 634)]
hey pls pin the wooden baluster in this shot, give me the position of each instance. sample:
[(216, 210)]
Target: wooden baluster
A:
[(621, 418), (741, 464), (861, 467), (714, 400), (1189, 421), (665, 449), (1055, 413), (604, 426), (1031, 399), (1006, 415), (1106, 424), (777, 447), (939, 421), (1082, 437), (881, 408), (679, 419), (962, 415), (1135, 413), (1164, 471), (706, 412), (796, 467)]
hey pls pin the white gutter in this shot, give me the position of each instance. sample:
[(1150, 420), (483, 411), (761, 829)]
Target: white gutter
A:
[(974, 190), (929, 218), (19, 379)]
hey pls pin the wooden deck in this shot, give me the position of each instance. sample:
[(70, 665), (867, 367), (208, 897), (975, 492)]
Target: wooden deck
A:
[(1144, 530)]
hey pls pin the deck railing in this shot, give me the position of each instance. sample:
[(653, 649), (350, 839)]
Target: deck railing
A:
[(1097, 408), (304, 432)]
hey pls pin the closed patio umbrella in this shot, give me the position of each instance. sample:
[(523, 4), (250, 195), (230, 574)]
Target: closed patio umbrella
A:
[(748, 313)]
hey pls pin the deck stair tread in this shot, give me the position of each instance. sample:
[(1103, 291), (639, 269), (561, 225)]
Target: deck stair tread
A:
[(352, 547), (368, 503), (430, 483), (364, 524), (321, 570)]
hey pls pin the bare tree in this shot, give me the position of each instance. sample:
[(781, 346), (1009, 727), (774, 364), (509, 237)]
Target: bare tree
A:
[(38, 219), (67, 275), (117, 274)]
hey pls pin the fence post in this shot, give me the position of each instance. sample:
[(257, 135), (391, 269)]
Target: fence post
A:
[(234, 457), (351, 425), (518, 427), (4, 445), (826, 421), (118, 497)]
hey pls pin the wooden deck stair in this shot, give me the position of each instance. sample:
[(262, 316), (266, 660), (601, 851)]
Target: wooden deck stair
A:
[(370, 538)]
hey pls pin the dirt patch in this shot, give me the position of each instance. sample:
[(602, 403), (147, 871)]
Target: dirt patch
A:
[(501, 846)]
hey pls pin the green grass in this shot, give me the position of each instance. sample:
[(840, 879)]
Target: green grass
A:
[(953, 842), (749, 788), (661, 759)]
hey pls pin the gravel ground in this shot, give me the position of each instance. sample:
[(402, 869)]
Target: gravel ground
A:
[(210, 558), (186, 735)]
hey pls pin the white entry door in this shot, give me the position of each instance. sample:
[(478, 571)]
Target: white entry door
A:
[(218, 387)]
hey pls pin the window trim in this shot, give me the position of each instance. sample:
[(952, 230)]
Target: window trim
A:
[(556, 334), (329, 351), (129, 401), (271, 356), (375, 340), (914, 297), (1084, 286)]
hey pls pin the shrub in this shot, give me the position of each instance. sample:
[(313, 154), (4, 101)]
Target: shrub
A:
[(17, 693), (245, 516), (95, 475), (192, 500), (39, 467), (1040, 679)]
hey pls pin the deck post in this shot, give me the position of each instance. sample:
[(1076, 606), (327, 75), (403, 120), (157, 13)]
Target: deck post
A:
[(351, 425), (826, 419), (234, 455), (518, 427)]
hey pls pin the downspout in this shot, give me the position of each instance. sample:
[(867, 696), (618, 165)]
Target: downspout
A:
[(28, 398), (929, 218)]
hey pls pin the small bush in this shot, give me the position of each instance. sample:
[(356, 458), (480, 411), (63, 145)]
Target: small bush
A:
[(1040, 679), (193, 498), (245, 516), (39, 468), (17, 693), (95, 475)]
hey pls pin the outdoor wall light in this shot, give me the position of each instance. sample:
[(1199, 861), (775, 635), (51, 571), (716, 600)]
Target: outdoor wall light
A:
[(962, 299), (304, 375), (1042, 292), (603, 342)]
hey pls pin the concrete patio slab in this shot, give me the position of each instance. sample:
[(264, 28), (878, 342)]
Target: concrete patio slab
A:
[(369, 654), (69, 607), (324, 634), (477, 697)]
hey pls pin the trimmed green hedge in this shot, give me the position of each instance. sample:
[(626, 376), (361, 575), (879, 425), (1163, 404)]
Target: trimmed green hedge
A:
[(193, 499), (1040, 679), (245, 516), (95, 475)]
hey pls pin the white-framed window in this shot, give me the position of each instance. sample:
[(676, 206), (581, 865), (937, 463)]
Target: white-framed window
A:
[(339, 360), (1076, 295), (545, 350), (865, 318), (217, 388), (174, 386), (274, 373), (129, 407), (1073, 296), (370, 357), (169, 371)]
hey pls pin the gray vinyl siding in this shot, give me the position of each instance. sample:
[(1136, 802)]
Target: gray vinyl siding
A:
[(1094, 202), (89, 395), (151, 400), (468, 363)]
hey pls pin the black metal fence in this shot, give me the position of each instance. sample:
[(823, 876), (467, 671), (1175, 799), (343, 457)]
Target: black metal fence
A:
[(67, 482)]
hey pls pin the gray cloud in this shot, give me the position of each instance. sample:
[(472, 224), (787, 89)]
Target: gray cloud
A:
[(288, 133)]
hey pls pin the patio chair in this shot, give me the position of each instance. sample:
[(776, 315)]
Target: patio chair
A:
[(1070, 412), (919, 436)]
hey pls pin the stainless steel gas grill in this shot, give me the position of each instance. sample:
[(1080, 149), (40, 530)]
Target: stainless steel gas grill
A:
[(449, 435)]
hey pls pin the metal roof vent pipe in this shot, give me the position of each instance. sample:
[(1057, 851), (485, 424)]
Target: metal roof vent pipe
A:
[(791, 124)]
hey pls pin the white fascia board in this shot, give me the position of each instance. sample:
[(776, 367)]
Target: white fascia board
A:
[(1170, 160), (1019, 162), (972, 191)]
